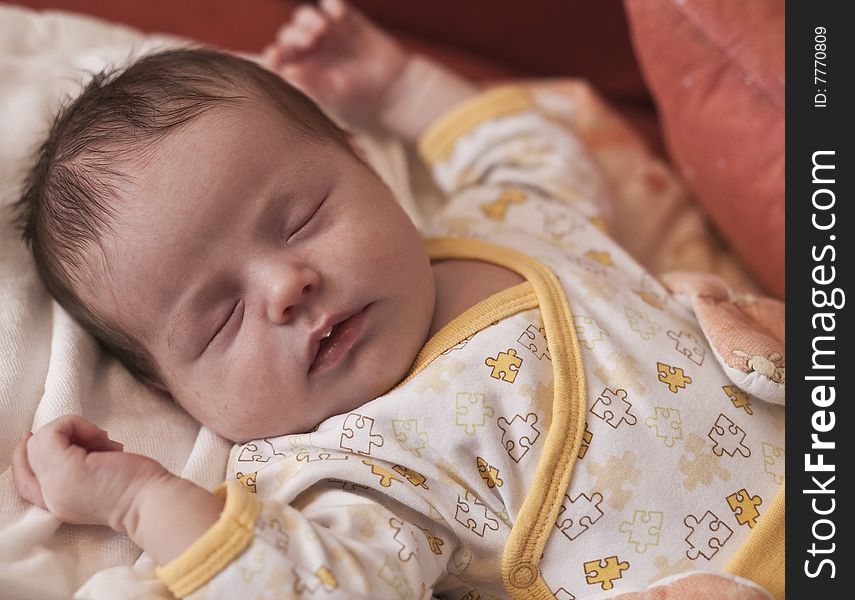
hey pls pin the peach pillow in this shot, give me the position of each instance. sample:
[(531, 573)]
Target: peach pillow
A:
[(716, 71)]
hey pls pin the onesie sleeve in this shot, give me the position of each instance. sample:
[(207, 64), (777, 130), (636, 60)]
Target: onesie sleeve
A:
[(337, 545), (501, 142)]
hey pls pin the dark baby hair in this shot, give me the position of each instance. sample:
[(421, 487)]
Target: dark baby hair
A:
[(69, 197)]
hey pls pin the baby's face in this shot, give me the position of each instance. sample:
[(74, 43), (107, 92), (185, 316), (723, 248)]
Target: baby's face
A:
[(239, 245)]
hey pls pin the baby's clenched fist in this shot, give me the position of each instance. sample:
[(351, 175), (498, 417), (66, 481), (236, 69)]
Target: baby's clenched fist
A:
[(72, 469)]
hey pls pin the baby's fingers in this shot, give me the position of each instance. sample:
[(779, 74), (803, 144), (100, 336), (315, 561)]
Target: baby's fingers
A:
[(25, 480), (86, 434), (309, 20), (337, 10), (70, 433)]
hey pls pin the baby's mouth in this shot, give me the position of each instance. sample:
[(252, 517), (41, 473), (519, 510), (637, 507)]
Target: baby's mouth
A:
[(332, 347)]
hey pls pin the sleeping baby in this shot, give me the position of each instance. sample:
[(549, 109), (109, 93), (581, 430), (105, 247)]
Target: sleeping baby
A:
[(503, 405)]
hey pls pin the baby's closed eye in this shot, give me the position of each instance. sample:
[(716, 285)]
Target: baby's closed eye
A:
[(234, 315), (307, 220)]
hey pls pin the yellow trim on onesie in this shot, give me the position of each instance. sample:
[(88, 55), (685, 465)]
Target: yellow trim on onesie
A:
[(438, 140), (536, 517), (218, 546), (499, 306), (760, 558)]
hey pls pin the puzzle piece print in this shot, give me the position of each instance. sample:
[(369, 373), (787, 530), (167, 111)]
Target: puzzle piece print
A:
[(313, 454), (273, 530), (604, 571), (625, 373), (498, 208), (707, 536), (505, 365), (489, 474), (458, 346), (673, 377), (414, 477), (688, 345), (407, 546), (364, 519), (306, 581), (597, 288), (728, 438), (559, 224), (248, 481), (588, 331), (773, 462), (643, 530), (386, 476), (435, 543), (641, 324), (578, 514), (649, 298), (300, 441), (651, 292), (534, 338), (613, 408), (603, 257), (519, 434), (461, 226), (357, 434), (738, 398), (593, 267), (504, 517), (348, 486), (258, 451), (474, 515), (461, 558), (534, 393), (391, 574), (613, 475), (667, 423), (437, 376), (587, 437), (251, 564), (744, 507), (472, 411), (699, 466), (600, 223), (409, 436)]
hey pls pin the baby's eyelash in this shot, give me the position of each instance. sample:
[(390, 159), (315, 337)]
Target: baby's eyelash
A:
[(309, 219), (226, 322)]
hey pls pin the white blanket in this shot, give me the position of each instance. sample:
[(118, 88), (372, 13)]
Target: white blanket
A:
[(48, 365)]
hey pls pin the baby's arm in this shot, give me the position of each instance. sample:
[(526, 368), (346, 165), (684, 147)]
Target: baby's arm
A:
[(72, 469), (228, 544), (342, 60), (338, 57)]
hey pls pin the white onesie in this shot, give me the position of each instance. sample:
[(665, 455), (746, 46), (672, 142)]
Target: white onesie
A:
[(573, 436)]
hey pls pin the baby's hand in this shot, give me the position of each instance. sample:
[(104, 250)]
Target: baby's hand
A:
[(71, 468), (339, 58)]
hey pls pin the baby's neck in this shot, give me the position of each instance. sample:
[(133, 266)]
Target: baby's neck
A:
[(463, 283)]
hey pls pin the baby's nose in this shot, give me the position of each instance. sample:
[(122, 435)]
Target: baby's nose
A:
[(287, 289)]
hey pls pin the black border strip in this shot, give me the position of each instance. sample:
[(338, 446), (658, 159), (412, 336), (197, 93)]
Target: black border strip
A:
[(819, 113)]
